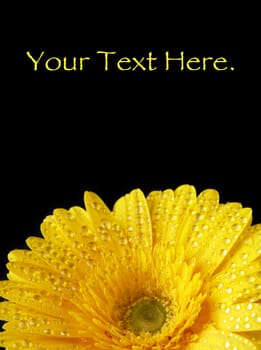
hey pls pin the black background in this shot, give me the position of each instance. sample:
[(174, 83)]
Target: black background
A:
[(109, 132)]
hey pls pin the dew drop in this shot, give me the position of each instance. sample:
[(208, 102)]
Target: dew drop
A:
[(105, 237), (227, 240), (236, 227), (251, 279), (244, 256), (233, 276), (227, 310), (64, 333), (92, 246), (199, 235), (223, 252), (195, 228), (199, 216), (123, 241), (89, 262), (194, 243), (16, 316), (32, 322), (22, 325)]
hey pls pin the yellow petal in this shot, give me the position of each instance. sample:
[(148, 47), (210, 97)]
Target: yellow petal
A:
[(170, 213), (32, 341), (238, 317), (214, 339), (219, 231), (132, 213), (246, 250), (31, 296), (96, 208)]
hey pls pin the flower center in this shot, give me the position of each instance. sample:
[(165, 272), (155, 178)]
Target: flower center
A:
[(146, 315)]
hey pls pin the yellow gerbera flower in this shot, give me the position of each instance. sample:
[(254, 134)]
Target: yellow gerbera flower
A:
[(170, 271)]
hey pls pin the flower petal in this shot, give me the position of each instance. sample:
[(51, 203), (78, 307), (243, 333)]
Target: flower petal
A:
[(132, 213), (170, 213), (246, 250), (214, 339), (255, 337), (220, 230), (238, 317), (32, 341), (59, 257), (245, 288)]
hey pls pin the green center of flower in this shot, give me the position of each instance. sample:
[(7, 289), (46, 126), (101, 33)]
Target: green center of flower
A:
[(146, 315)]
